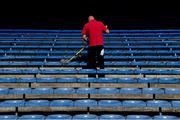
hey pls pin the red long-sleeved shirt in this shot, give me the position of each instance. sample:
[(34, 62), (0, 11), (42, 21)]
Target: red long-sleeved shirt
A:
[(95, 31)]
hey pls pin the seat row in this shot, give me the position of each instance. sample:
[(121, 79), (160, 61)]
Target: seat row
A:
[(92, 71), (117, 58), (79, 64), (79, 46), (91, 103), (89, 91), (96, 80), (84, 52), (88, 117)]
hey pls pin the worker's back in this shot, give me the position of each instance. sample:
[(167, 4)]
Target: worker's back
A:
[(95, 31)]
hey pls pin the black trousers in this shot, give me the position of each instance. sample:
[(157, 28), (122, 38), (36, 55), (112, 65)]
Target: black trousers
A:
[(95, 59)]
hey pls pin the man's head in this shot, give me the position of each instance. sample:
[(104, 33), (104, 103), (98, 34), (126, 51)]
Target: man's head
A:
[(90, 18)]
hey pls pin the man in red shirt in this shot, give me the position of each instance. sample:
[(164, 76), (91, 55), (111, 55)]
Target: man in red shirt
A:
[(94, 29)]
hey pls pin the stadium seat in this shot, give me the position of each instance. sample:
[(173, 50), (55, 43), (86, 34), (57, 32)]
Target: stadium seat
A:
[(62, 103), (158, 103), (64, 91), (7, 80), (37, 103), (172, 91), (26, 80), (87, 71), (12, 103), (147, 80), (130, 91), (111, 117), (8, 117), (66, 80), (46, 80), (32, 117), (106, 80), (138, 117), (59, 117), (127, 80), (109, 103), (108, 91), (133, 103), (153, 91), (4, 91), (85, 103), (42, 91), (86, 91), (165, 117), (86, 80), (169, 80), (85, 117), (20, 91)]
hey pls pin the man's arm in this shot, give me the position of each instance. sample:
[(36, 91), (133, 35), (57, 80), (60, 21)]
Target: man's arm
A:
[(105, 28), (84, 33)]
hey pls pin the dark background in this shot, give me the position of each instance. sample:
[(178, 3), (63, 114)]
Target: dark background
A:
[(72, 14)]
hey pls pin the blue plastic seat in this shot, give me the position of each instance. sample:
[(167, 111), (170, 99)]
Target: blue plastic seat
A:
[(133, 103), (147, 80), (86, 80), (30, 71), (12, 103), (175, 104), (9, 80), (64, 91), (130, 91), (85, 117), (138, 117), (153, 91), (20, 91), (111, 117), (107, 80), (158, 103), (127, 80), (85, 103), (86, 91), (59, 117), (165, 117), (109, 103), (8, 117), (4, 90), (87, 71), (62, 103), (169, 80), (26, 80), (108, 91), (172, 90), (32, 117), (42, 91), (143, 71), (46, 80), (37, 103), (66, 80)]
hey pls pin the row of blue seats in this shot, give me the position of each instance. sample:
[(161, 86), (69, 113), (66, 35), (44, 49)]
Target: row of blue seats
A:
[(119, 57), (149, 63), (80, 36), (92, 71), (89, 91), (96, 80), (106, 41), (60, 42), (84, 52), (91, 103), (88, 117), (127, 64), (79, 46)]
